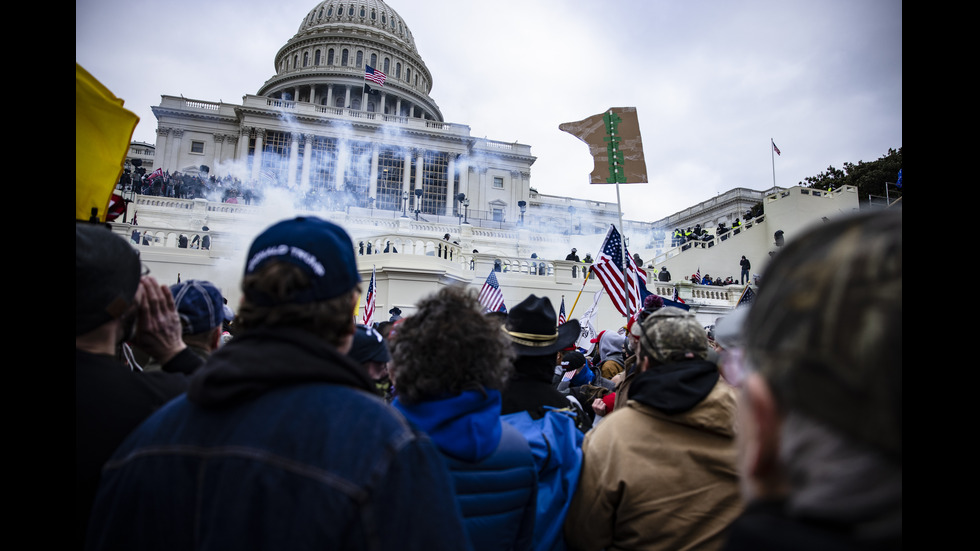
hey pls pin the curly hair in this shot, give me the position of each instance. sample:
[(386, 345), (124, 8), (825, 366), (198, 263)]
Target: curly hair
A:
[(448, 346), (331, 320)]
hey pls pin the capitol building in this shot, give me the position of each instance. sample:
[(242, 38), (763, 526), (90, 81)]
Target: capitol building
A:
[(380, 159)]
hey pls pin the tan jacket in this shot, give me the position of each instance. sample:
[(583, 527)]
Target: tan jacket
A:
[(656, 481)]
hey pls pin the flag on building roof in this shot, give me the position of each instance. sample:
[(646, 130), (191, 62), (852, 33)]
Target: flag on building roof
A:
[(561, 311), (103, 128), (374, 75), (774, 148), (620, 279), (491, 297), (368, 318)]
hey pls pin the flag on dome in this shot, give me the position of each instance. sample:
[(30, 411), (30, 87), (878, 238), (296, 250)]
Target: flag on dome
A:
[(369, 301), (491, 297), (374, 75)]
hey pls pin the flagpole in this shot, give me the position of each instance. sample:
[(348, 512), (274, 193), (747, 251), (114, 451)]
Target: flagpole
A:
[(587, 273), (614, 159), (772, 149)]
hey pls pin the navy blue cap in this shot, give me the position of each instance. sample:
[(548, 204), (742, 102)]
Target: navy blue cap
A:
[(320, 248), (199, 305), (368, 346)]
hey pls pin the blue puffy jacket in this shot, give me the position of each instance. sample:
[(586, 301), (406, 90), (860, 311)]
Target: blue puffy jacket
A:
[(491, 463)]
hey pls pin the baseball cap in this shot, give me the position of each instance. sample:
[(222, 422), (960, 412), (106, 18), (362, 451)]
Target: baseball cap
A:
[(825, 329), (199, 305), (322, 249), (368, 346), (570, 361), (107, 274), (672, 334)]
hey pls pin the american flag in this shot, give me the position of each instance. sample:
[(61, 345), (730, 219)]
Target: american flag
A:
[(374, 75), (774, 148), (369, 301), (490, 296), (696, 277), (561, 311), (609, 269), (677, 298)]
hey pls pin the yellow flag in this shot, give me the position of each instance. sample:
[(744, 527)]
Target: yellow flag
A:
[(103, 129)]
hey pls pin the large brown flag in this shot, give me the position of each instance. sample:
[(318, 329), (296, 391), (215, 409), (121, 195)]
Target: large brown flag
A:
[(613, 137)]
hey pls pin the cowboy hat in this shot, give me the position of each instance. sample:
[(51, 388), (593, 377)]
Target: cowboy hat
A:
[(532, 327)]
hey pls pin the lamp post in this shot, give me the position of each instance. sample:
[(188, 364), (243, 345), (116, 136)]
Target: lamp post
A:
[(418, 202), (523, 207), (404, 204), (460, 197), (466, 211)]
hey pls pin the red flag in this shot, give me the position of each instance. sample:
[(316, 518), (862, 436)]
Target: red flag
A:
[(117, 207)]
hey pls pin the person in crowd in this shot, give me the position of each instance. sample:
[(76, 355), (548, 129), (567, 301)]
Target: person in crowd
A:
[(573, 256), (396, 314), (201, 309), (114, 306), (609, 347), (280, 440), (820, 406), (660, 473), (582, 382), (664, 275), (550, 422), (588, 258), (450, 362), (746, 266), (370, 350)]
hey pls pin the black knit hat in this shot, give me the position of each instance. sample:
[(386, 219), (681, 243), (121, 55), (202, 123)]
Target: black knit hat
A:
[(107, 274)]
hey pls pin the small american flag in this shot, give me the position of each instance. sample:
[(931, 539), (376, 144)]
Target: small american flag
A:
[(774, 148), (490, 296), (696, 278), (561, 311), (374, 75), (625, 295), (369, 301)]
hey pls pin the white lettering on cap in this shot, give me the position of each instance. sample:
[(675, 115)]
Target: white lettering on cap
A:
[(309, 260), (257, 258)]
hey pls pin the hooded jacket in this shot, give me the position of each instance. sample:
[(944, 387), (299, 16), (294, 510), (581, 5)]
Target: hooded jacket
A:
[(279, 443), (493, 471), (660, 473)]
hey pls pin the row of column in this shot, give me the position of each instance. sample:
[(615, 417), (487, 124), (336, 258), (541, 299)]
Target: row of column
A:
[(348, 90), (304, 181)]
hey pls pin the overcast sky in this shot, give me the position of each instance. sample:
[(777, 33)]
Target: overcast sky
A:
[(712, 80)]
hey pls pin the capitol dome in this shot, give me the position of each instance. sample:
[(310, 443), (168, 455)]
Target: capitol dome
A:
[(325, 62)]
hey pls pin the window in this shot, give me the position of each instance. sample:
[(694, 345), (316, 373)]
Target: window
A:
[(374, 60), (398, 70), (306, 58), (350, 10), (387, 66), (330, 56), (316, 58), (197, 147), (498, 182), (498, 214), (408, 74), (360, 58), (343, 58)]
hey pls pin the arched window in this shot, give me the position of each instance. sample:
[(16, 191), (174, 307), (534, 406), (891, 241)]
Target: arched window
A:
[(350, 10), (343, 58), (384, 20), (374, 15), (306, 58), (329, 11), (360, 58), (408, 75), (362, 11), (374, 60), (387, 66), (398, 70), (330, 56), (316, 58), (295, 61)]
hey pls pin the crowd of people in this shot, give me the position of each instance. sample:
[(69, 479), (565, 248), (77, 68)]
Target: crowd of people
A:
[(287, 425)]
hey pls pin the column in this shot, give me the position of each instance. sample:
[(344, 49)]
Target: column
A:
[(450, 189), (373, 176), (293, 159), (406, 176), (175, 149), (307, 148), (330, 95), (244, 134), (257, 158), (162, 146), (381, 107), (346, 97), (420, 175)]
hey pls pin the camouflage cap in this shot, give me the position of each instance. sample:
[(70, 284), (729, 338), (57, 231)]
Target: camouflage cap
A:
[(826, 327), (672, 334)]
